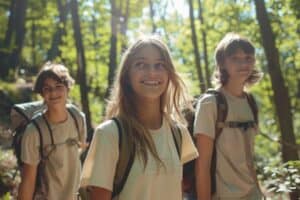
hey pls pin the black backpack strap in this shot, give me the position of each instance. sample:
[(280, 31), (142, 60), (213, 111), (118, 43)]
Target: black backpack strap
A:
[(125, 160), (253, 106), (49, 129), (177, 137), (222, 111), (35, 123), (75, 120)]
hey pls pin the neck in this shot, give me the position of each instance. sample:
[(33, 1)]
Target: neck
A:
[(235, 89), (56, 115), (149, 114)]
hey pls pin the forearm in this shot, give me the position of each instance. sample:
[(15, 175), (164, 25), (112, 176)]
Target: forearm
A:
[(96, 193), (27, 185), (25, 191), (203, 182)]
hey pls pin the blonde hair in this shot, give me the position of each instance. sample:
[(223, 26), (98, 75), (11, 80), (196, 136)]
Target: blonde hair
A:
[(122, 97), (227, 47)]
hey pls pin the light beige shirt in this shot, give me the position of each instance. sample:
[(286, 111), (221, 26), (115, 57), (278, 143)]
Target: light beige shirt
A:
[(63, 166), (151, 183), (235, 171)]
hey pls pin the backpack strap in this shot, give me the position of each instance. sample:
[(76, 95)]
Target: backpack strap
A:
[(75, 120), (125, 161), (253, 105), (222, 111), (177, 137), (34, 122)]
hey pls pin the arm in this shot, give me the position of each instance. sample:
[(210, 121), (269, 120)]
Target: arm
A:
[(203, 163), (98, 193), (27, 185)]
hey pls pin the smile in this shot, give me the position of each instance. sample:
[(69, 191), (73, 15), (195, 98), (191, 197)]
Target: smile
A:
[(151, 83)]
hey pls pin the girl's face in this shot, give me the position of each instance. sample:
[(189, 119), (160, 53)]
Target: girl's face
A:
[(239, 66), (54, 93), (148, 74)]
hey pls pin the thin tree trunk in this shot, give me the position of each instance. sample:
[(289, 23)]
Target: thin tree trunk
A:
[(54, 51), (152, 14), (81, 63), (33, 40), (124, 25), (113, 48), (11, 24), (204, 43), (21, 7), (281, 94), (6, 46), (196, 49)]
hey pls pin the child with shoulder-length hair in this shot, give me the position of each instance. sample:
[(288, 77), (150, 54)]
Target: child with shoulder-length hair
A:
[(146, 98), (235, 176), (50, 145)]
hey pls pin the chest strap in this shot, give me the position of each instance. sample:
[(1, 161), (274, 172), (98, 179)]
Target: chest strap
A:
[(243, 125)]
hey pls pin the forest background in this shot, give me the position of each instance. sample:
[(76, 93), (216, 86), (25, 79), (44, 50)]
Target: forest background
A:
[(89, 37)]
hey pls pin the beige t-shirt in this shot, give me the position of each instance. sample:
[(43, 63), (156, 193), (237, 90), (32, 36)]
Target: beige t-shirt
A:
[(63, 166), (153, 183), (235, 178)]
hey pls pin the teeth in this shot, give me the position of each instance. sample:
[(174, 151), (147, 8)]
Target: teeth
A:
[(151, 82)]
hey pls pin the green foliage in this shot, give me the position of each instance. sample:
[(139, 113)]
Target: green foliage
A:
[(9, 178), (283, 178), (173, 26)]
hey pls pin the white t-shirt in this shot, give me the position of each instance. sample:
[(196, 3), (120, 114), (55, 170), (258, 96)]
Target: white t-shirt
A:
[(63, 166), (151, 183), (234, 178)]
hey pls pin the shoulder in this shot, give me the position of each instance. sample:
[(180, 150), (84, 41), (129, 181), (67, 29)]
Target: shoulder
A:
[(31, 133), (207, 98), (75, 110), (107, 129)]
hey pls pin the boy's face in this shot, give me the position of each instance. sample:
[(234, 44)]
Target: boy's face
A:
[(239, 66), (54, 93)]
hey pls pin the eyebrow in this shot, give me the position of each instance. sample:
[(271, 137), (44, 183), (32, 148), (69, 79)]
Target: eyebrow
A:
[(144, 58)]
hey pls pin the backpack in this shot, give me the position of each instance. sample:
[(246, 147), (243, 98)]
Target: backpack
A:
[(189, 181), (23, 114), (126, 157)]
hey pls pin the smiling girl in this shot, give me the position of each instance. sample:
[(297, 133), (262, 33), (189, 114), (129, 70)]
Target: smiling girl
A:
[(146, 97)]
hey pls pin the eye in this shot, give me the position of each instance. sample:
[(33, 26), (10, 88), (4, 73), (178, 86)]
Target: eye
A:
[(160, 66), (46, 89), (250, 59), (139, 65), (59, 87)]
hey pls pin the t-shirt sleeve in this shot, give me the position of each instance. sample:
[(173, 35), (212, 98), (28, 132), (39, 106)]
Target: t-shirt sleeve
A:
[(100, 165), (205, 116), (188, 151), (30, 153)]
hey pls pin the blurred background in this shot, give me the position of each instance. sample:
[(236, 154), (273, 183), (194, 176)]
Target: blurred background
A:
[(89, 37)]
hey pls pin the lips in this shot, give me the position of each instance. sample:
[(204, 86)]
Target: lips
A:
[(151, 83)]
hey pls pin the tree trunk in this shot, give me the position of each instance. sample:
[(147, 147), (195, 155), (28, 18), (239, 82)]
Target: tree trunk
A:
[(81, 63), (152, 16), (281, 94), (11, 24), (124, 25), (54, 51), (33, 40), (21, 7), (6, 46), (195, 45), (204, 43), (113, 48)]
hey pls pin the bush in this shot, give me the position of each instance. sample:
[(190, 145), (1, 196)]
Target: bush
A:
[(9, 175)]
